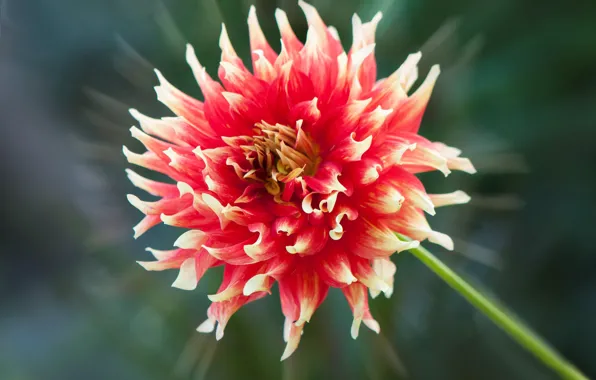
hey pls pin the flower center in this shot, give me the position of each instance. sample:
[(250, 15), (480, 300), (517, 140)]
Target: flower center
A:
[(279, 154)]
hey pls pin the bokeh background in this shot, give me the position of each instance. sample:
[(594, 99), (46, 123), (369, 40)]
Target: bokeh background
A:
[(517, 93)]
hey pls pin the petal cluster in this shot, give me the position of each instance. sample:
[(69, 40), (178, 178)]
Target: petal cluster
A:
[(298, 172)]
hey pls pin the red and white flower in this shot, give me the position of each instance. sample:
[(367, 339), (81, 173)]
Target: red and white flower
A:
[(299, 172)]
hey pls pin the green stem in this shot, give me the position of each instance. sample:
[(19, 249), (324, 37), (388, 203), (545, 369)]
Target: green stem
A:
[(498, 314)]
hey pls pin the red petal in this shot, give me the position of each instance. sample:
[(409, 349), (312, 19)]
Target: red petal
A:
[(145, 224), (309, 241), (375, 240), (383, 198), (358, 300), (364, 34), (152, 187), (162, 206), (274, 269), (350, 150), (364, 272), (183, 105), (290, 43), (340, 211), (234, 278), (166, 259), (221, 312), (334, 268), (363, 172), (301, 294), (257, 38), (412, 223), (408, 115), (326, 179), (409, 187), (232, 254)]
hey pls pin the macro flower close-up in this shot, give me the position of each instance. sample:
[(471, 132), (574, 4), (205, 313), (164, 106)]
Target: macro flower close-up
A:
[(300, 172), (297, 190)]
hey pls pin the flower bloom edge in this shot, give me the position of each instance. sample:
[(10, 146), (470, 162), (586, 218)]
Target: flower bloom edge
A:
[(298, 173)]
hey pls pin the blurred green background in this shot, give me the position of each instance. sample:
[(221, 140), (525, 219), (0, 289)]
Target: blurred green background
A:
[(517, 94)]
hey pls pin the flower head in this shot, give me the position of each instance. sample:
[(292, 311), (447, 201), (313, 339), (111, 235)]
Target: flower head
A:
[(299, 172)]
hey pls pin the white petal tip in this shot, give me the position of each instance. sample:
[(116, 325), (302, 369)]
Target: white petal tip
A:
[(187, 277), (464, 165), (355, 328), (135, 113), (455, 198), (252, 13), (463, 197), (441, 239), (255, 284), (219, 333), (373, 325), (409, 245), (184, 188), (287, 352), (207, 326), (183, 286)]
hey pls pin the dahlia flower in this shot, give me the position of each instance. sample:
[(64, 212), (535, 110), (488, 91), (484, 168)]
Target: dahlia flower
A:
[(300, 172)]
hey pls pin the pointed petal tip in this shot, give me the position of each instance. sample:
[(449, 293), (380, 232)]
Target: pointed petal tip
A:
[(373, 325), (133, 200), (377, 17), (144, 264), (187, 277), (207, 326), (219, 332), (255, 284), (134, 113), (441, 239), (355, 329), (160, 77), (189, 50), (464, 165), (279, 13), (454, 198), (288, 351), (193, 61), (462, 196), (252, 14), (218, 297)]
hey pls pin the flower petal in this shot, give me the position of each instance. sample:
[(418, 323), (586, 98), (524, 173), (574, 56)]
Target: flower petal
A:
[(291, 43), (385, 269), (257, 38), (301, 294), (358, 300), (454, 198), (156, 188), (350, 149), (334, 269), (326, 179), (411, 222), (374, 240), (262, 282), (309, 241)]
